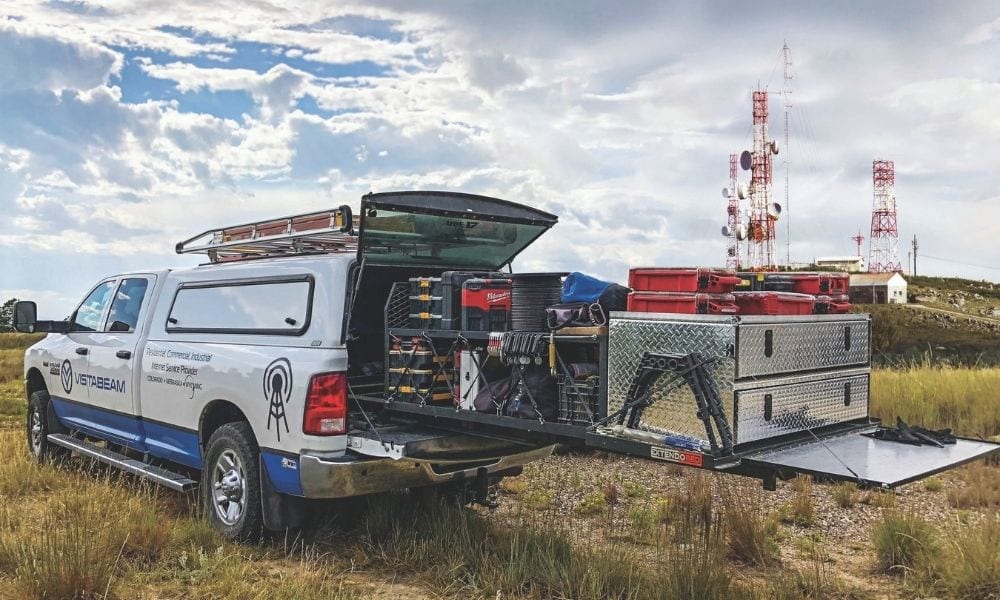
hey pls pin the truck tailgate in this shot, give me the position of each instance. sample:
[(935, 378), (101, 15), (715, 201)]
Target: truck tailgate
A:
[(868, 461), (425, 444)]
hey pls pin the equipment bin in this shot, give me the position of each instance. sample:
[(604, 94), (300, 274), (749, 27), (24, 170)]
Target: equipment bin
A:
[(682, 303), (774, 303), (832, 305), (713, 281)]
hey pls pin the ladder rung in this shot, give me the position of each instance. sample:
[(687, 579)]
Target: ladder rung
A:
[(328, 231)]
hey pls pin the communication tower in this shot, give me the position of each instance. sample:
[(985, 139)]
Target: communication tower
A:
[(786, 94), (858, 239), (733, 226), (884, 236), (763, 212)]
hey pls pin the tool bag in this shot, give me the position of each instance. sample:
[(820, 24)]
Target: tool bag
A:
[(575, 314), (578, 287), (529, 393)]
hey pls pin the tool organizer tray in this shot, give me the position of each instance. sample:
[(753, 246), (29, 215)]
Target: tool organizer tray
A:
[(773, 375)]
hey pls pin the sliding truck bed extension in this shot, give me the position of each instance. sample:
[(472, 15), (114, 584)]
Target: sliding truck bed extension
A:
[(262, 378)]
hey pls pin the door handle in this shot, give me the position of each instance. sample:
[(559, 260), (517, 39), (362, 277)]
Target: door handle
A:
[(82, 350), (124, 354)]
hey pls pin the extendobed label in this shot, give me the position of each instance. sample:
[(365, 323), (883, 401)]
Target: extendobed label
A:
[(678, 456)]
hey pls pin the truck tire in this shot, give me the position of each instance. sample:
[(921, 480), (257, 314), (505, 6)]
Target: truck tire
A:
[(38, 430), (230, 483)]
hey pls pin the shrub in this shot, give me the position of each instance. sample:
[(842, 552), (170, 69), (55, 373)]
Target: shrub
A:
[(844, 494), (968, 565), (750, 531), (933, 484), (801, 509), (981, 489), (901, 540), (591, 504)]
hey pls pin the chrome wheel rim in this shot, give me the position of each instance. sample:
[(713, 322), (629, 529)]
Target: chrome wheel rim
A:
[(229, 488), (35, 431)]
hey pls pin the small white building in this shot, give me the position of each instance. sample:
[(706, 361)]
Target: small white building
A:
[(851, 264), (878, 288)]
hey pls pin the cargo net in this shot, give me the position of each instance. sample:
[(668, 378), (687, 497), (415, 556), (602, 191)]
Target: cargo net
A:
[(421, 370), (397, 307)]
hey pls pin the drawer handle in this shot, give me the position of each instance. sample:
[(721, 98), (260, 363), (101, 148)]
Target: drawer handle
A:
[(768, 343), (768, 407), (847, 339), (847, 393)]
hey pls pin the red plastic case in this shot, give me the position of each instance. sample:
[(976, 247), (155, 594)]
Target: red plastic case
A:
[(712, 281), (683, 303), (775, 303), (486, 304)]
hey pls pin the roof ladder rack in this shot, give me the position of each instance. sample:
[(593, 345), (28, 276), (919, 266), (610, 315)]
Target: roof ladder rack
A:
[(327, 231)]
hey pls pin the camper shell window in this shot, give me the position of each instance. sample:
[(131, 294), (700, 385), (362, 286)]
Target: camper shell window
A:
[(268, 306)]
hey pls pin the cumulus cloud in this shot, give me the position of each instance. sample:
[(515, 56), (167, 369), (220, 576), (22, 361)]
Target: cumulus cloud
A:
[(125, 127)]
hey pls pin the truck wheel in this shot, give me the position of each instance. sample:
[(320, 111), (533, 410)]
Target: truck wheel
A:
[(230, 482), (38, 430)]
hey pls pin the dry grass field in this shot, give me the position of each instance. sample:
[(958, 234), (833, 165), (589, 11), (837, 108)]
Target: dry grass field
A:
[(574, 526)]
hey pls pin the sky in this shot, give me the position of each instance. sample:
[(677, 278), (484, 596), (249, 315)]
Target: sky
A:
[(128, 126)]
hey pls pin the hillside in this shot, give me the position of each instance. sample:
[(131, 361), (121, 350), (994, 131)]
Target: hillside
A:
[(948, 321)]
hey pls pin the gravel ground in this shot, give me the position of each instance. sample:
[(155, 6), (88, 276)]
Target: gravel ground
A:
[(550, 492)]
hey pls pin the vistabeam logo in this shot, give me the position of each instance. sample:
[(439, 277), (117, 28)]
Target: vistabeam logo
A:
[(66, 375)]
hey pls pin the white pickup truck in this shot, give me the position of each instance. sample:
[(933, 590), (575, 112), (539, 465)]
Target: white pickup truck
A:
[(263, 377)]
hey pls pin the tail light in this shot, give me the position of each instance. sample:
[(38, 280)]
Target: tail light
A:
[(326, 405)]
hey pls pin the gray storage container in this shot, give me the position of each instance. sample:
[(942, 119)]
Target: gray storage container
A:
[(803, 364)]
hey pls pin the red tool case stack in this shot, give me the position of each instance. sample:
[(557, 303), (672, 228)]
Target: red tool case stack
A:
[(685, 291)]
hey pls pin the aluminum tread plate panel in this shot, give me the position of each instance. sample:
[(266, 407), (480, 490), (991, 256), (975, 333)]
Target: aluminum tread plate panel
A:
[(673, 410), (875, 462), (776, 348), (767, 412)]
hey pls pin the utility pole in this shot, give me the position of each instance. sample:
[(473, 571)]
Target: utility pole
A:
[(916, 246)]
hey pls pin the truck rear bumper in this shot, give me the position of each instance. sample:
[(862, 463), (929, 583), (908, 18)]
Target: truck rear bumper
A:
[(357, 476)]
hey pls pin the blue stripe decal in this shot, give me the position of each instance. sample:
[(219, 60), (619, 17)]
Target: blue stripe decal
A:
[(171, 443), (112, 426), (283, 469), (162, 441)]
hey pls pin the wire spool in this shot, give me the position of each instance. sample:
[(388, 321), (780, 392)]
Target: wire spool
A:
[(531, 294)]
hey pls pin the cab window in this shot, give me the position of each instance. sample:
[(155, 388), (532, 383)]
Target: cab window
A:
[(88, 316), (124, 316)]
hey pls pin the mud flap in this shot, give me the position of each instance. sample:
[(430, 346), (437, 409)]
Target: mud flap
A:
[(280, 511), (867, 461)]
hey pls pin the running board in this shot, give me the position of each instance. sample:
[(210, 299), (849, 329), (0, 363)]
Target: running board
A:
[(169, 479)]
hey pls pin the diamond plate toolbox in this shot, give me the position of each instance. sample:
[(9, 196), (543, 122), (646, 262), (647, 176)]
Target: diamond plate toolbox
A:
[(791, 404), (772, 346), (808, 360)]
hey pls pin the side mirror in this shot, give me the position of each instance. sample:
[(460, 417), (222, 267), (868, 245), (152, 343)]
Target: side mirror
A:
[(25, 316)]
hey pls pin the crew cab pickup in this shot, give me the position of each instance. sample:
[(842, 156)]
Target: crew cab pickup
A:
[(286, 368), (241, 371)]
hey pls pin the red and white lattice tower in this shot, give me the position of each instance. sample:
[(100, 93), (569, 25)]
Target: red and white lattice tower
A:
[(884, 235), (761, 230), (733, 221)]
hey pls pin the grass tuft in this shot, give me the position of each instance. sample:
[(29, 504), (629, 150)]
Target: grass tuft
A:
[(901, 540), (751, 532), (844, 494)]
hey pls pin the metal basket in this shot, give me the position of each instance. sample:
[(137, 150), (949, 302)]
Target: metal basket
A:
[(578, 399), (397, 307)]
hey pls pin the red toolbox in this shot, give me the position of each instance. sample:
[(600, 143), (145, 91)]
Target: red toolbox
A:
[(809, 283), (832, 305), (713, 281), (486, 304), (774, 303), (689, 303)]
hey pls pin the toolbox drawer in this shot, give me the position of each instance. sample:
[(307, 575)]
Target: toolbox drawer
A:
[(773, 348), (792, 404)]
